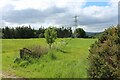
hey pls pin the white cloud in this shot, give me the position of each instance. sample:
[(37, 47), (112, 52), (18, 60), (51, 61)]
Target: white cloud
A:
[(114, 2), (42, 4), (3, 3), (36, 4), (59, 12)]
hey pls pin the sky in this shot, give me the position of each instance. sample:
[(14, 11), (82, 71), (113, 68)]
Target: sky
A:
[(93, 15)]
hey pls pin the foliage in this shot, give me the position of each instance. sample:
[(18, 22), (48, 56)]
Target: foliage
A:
[(41, 35), (64, 32), (23, 63), (80, 33), (50, 35), (28, 32), (105, 55), (1, 34), (40, 32), (18, 32), (52, 56), (94, 34), (38, 51), (60, 45)]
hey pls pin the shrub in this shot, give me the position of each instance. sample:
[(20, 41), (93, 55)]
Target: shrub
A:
[(38, 51), (104, 55)]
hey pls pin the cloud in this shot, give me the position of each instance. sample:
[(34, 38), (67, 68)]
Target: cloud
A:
[(96, 15), (60, 13), (30, 15)]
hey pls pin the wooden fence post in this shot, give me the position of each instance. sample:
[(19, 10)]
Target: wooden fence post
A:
[(21, 53), (25, 51)]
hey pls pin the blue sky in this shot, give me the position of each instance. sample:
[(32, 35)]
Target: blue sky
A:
[(94, 16), (96, 4)]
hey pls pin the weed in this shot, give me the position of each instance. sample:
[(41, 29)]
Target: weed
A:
[(23, 63)]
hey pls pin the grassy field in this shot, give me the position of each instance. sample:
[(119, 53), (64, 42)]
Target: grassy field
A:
[(71, 64)]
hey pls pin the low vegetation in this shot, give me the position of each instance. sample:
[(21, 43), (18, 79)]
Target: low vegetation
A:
[(65, 57), (105, 55), (35, 52), (68, 61)]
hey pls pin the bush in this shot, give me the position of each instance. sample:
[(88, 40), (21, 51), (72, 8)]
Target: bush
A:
[(38, 51), (104, 55)]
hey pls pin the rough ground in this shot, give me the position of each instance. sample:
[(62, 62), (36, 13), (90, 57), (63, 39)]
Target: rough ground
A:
[(6, 75)]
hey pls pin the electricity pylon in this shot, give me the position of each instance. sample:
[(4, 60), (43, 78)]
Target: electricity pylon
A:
[(76, 23)]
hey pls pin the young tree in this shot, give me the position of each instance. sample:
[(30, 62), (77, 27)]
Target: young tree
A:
[(104, 55), (50, 35)]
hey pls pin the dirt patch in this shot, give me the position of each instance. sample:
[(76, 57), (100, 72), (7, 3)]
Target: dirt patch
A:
[(6, 75)]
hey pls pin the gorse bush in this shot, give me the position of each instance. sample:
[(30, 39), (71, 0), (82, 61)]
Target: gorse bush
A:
[(104, 55)]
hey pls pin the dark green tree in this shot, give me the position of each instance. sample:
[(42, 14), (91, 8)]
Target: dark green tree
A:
[(7, 32), (28, 32), (80, 33), (64, 32), (40, 32)]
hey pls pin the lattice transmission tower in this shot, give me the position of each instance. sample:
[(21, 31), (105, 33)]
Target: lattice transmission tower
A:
[(76, 23)]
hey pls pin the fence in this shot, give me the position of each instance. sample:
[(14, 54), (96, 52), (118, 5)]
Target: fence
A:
[(25, 51)]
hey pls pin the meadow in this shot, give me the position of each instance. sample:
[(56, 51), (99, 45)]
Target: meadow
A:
[(72, 63)]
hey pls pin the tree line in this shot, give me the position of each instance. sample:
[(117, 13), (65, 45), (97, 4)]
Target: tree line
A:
[(28, 32)]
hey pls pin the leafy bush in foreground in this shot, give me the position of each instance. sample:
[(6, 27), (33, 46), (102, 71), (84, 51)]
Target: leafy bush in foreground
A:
[(104, 55)]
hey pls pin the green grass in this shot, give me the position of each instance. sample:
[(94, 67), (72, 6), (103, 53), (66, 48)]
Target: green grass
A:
[(71, 64)]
